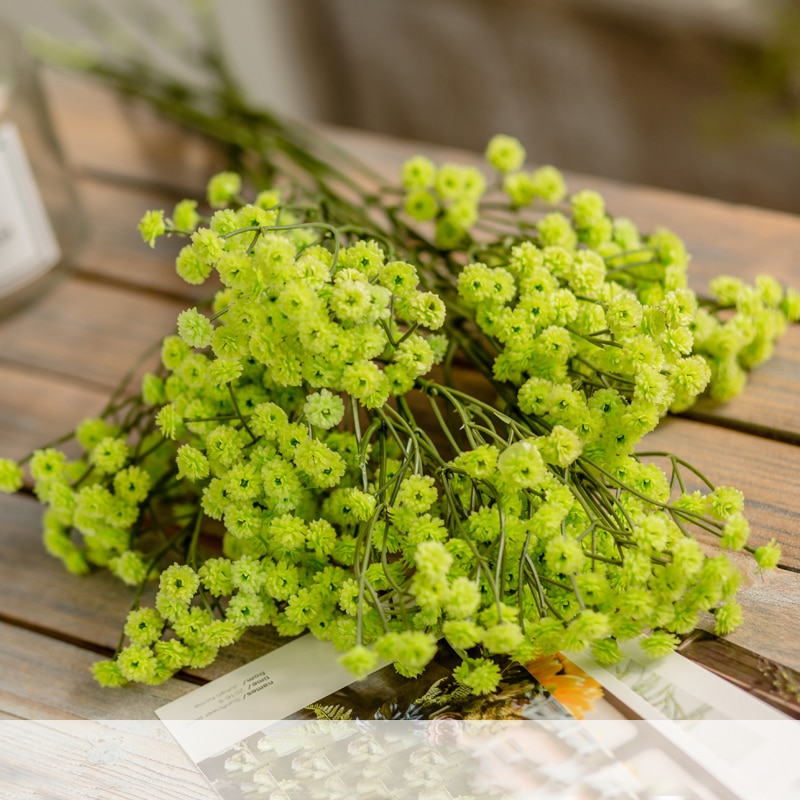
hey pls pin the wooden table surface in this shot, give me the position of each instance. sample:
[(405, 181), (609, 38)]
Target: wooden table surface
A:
[(61, 357)]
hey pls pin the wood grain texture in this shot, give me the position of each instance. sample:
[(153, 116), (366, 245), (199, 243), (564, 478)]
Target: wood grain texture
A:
[(767, 472), (95, 760), (48, 679), (116, 252), (38, 408), (87, 333)]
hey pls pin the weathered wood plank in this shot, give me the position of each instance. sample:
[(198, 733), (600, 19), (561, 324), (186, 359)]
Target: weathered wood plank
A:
[(115, 250), (771, 606), (94, 760), (49, 679), (767, 472), (769, 403), (36, 409), (88, 332)]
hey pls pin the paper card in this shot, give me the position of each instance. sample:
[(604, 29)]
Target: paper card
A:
[(293, 724), (302, 680), (28, 246), (743, 742)]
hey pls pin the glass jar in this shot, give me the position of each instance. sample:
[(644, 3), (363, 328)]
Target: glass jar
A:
[(42, 224)]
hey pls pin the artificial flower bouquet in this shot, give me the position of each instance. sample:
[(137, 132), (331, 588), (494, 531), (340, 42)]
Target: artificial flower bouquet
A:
[(315, 454)]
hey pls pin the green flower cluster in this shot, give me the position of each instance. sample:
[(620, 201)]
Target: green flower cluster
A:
[(364, 501), (289, 414), (449, 195)]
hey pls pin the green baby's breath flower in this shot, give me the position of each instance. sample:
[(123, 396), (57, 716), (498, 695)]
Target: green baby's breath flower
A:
[(107, 673), (137, 663), (152, 226), (505, 153), (418, 172), (768, 556), (222, 188), (324, 409), (192, 463), (47, 465), (359, 660), (109, 455), (185, 216), (195, 328), (480, 675), (178, 583), (144, 626), (11, 476), (659, 644)]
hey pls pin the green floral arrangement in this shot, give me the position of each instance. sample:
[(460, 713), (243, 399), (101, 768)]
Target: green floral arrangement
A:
[(316, 453)]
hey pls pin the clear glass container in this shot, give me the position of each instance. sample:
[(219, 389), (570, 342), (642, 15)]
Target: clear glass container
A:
[(42, 223)]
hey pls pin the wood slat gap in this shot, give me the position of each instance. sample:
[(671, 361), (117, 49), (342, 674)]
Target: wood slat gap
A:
[(51, 633), (85, 644), (113, 282), (743, 426), (66, 377)]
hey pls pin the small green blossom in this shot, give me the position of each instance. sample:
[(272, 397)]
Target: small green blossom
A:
[(216, 576), (107, 673), (505, 153), (137, 663), (725, 502), (222, 188), (129, 567), (144, 626), (185, 216), (727, 618), (195, 328), (47, 465), (421, 205), (768, 556), (548, 184), (736, 532), (152, 226), (418, 172), (480, 675), (109, 455), (659, 644), (505, 637), (324, 409), (462, 634), (192, 463), (359, 660), (409, 649), (179, 583), (606, 651), (11, 476)]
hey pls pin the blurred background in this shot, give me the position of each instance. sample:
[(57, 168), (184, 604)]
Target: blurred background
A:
[(701, 96)]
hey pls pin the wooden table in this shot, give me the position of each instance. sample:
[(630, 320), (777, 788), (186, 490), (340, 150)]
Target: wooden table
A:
[(61, 357)]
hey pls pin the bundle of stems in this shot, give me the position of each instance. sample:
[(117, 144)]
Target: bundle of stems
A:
[(366, 494)]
